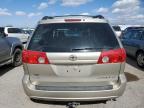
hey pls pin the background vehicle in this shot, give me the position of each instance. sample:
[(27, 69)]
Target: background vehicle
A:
[(133, 28), (133, 41), (28, 31), (10, 50), (15, 32), (74, 58), (117, 30)]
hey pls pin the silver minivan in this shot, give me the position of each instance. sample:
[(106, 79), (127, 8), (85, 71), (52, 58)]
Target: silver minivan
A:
[(74, 58)]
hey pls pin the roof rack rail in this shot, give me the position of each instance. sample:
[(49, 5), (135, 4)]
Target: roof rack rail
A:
[(47, 17), (51, 17), (99, 16)]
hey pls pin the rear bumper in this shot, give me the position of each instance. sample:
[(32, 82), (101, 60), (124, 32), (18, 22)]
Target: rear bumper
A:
[(32, 92)]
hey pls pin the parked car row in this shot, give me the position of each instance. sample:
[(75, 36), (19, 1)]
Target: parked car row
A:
[(133, 42), (10, 50), (15, 32), (11, 45)]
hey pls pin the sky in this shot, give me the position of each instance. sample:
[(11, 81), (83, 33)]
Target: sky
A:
[(26, 13)]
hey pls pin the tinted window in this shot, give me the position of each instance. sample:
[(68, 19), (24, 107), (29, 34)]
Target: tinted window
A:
[(15, 30), (116, 28), (127, 35), (136, 34), (133, 28), (67, 37)]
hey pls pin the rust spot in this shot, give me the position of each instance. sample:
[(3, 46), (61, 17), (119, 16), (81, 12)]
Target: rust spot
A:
[(131, 77)]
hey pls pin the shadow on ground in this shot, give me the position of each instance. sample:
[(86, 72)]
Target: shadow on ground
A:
[(62, 103), (131, 61), (131, 77), (5, 69)]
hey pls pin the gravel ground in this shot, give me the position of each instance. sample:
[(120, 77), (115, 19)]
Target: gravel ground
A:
[(13, 96)]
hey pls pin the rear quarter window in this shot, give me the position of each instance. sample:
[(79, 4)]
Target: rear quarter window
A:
[(64, 37)]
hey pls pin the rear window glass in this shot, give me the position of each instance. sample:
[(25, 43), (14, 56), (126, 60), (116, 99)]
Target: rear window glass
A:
[(116, 28), (69, 37), (15, 30)]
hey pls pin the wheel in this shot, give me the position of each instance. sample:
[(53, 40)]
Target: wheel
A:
[(17, 57), (140, 59)]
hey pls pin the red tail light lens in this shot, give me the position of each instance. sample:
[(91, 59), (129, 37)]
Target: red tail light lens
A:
[(112, 56), (34, 57)]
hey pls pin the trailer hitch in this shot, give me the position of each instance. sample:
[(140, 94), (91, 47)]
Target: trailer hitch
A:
[(72, 105)]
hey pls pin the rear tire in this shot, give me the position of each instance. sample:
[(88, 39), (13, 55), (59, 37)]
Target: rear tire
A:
[(140, 59), (17, 57)]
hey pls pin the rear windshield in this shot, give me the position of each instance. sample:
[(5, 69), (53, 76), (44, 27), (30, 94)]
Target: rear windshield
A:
[(116, 28), (15, 30), (71, 37)]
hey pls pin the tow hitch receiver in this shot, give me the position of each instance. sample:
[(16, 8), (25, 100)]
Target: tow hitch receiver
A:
[(73, 105)]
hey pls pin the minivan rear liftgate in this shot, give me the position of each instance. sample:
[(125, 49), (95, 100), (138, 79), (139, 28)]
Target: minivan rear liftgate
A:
[(74, 71), (74, 60)]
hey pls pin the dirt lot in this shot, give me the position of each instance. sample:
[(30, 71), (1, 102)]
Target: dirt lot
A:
[(13, 96)]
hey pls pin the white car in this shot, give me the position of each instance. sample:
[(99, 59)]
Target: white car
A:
[(15, 32), (117, 30)]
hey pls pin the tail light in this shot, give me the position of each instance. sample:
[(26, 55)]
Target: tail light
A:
[(34, 57), (112, 56)]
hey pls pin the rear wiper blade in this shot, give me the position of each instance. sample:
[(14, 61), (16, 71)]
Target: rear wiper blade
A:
[(76, 49), (100, 48), (92, 48)]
